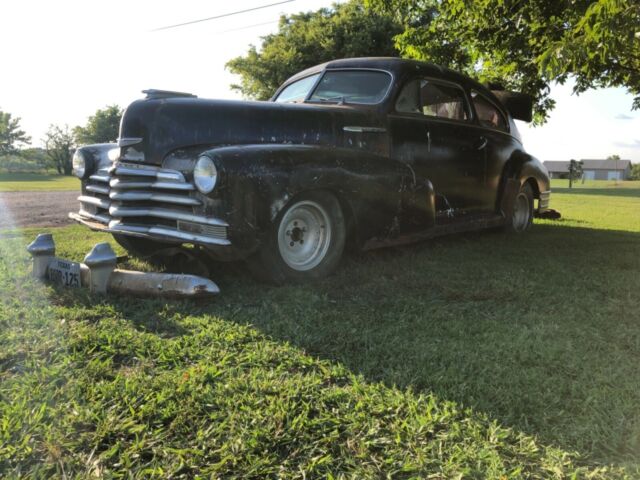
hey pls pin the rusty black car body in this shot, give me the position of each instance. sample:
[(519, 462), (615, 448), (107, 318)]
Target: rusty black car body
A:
[(405, 151)]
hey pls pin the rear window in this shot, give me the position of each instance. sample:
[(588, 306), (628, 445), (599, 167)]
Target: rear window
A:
[(353, 86), (433, 99), (488, 114)]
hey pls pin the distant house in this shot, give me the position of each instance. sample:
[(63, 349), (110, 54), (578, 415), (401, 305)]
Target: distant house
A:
[(592, 169)]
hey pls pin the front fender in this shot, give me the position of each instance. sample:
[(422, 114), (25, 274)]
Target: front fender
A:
[(259, 180)]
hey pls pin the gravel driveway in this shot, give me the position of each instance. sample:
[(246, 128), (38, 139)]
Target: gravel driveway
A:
[(37, 209)]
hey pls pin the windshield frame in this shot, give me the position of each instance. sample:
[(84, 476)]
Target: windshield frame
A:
[(322, 73)]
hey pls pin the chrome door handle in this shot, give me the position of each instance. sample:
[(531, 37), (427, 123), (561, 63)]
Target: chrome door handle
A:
[(483, 143), (428, 141)]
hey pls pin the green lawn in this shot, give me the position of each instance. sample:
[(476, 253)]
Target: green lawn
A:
[(473, 356), (27, 182)]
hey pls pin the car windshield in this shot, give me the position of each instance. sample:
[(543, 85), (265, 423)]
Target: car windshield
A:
[(353, 86), (296, 92)]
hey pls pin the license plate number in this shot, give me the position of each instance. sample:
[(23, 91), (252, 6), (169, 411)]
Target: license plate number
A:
[(64, 272)]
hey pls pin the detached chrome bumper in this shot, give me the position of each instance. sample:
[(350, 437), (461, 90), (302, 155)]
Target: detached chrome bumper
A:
[(147, 201)]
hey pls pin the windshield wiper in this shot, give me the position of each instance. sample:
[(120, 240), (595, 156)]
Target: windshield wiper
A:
[(340, 100)]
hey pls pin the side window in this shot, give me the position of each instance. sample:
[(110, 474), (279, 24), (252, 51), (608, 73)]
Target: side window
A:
[(297, 91), (488, 113), (433, 99)]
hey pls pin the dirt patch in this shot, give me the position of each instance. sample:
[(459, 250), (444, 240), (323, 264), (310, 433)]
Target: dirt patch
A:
[(37, 209)]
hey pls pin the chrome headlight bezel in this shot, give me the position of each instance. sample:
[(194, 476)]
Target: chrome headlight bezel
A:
[(205, 175), (80, 164)]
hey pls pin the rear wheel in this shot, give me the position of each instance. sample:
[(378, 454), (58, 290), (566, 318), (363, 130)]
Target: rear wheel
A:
[(305, 242), (522, 210)]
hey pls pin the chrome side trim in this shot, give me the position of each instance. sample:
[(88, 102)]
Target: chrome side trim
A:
[(153, 197), (95, 201), (353, 128), (127, 142), (122, 212)]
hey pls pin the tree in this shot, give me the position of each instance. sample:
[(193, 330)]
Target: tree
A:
[(102, 127), (635, 172), (526, 45), (307, 39), (60, 144), (575, 171), (10, 134)]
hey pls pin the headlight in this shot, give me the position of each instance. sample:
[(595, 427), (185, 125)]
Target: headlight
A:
[(205, 175), (79, 164), (114, 154)]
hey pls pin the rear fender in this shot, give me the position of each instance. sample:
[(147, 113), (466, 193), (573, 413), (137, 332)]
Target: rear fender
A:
[(522, 168)]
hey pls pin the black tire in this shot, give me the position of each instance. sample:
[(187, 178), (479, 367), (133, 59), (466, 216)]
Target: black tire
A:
[(315, 217), (140, 247), (521, 211)]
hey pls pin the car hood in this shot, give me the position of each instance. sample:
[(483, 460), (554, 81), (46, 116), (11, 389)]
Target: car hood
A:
[(156, 127)]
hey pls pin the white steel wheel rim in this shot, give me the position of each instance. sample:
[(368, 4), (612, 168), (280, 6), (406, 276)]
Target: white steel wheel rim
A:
[(304, 235), (521, 212)]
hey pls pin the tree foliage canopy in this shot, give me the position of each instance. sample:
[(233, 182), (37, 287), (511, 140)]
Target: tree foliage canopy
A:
[(526, 45), (11, 135), (307, 39), (101, 127)]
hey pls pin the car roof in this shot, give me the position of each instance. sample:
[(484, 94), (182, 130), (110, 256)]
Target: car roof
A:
[(397, 66)]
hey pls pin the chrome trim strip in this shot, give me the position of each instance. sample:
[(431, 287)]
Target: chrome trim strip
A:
[(153, 197), (166, 232), (95, 201), (95, 216), (350, 128), (117, 183), (127, 142), (100, 178), (160, 174), (121, 212), (98, 189)]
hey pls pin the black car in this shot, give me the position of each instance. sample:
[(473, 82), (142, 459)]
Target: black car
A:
[(364, 152)]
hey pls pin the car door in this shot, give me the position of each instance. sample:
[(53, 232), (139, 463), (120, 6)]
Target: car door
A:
[(430, 132), (492, 125)]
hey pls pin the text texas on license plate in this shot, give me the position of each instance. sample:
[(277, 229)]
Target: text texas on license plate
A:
[(64, 272)]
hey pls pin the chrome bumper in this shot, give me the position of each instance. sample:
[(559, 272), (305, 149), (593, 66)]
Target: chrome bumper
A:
[(543, 203), (124, 198), (152, 232)]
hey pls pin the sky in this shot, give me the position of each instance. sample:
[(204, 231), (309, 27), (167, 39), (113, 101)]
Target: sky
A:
[(63, 60)]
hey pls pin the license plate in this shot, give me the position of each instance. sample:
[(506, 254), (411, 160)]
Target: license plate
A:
[(64, 272)]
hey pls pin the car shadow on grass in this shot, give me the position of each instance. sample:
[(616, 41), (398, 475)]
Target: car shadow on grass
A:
[(538, 331)]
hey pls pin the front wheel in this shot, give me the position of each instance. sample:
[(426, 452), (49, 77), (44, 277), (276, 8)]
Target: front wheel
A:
[(522, 210), (305, 242)]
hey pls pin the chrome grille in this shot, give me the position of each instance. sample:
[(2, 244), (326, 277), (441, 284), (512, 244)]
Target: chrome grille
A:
[(148, 201)]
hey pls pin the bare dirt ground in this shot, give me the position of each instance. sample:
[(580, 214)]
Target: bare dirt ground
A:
[(36, 209)]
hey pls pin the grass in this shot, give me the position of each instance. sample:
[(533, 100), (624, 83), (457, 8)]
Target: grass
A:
[(475, 356), (27, 182)]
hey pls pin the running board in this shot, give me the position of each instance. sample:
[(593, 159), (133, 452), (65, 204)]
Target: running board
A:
[(469, 225)]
